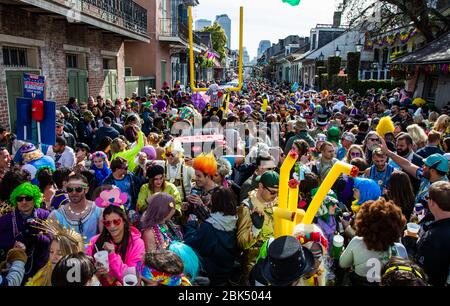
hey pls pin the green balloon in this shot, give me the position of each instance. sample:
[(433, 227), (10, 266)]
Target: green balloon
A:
[(292, 2)]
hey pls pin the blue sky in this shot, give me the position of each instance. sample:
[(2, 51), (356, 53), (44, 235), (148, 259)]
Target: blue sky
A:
[(267, 19)]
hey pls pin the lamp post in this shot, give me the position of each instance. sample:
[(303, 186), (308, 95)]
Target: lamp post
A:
[(337, 52), (321, 57), (359, 46)]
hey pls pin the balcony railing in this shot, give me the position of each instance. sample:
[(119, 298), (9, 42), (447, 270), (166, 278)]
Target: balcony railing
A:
[(123, 13), (176, 28)]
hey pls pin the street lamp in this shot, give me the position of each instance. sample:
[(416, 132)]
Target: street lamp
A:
[(321, 57), (337, 52), (359, 46)]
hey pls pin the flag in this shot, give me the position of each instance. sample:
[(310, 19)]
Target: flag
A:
[(292, 2)]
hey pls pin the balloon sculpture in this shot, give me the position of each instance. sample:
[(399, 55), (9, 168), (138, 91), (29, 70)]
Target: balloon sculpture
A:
[(287, 215)]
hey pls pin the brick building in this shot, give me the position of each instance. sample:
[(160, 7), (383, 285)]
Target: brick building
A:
[(78, 45), (167, 57)]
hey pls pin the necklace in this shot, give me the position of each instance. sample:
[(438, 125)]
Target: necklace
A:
[(75, 213)]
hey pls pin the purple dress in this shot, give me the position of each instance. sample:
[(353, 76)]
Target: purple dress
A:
[(13, 228)]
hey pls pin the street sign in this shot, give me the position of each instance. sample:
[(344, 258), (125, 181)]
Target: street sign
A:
[(34, 85), (46, 129), (48, 125), (24, 122)]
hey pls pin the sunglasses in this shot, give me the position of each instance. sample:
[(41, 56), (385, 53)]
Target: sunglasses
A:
[(76, 189), (355, 154), (271, 191), (108, 223), (169, 155), (124, 167), (374, 139), (26, 198)]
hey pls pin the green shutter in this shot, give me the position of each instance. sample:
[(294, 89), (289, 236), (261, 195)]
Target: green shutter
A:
[(110, 84), (82, 85), (14, 86), (77, 85), (73, 84)]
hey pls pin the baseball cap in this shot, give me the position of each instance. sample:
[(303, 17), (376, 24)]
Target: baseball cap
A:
[(270, 179), (438, 162)]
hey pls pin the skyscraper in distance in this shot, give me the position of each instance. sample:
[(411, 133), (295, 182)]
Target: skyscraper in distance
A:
[(245, 56), (200, 24), (225, 23), (263, 46)]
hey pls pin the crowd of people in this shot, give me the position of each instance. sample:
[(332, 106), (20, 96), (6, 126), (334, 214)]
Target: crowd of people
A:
[(124, 196)]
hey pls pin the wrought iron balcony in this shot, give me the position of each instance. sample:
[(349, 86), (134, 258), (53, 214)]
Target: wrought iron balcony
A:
[(123, 13), (177, 29)]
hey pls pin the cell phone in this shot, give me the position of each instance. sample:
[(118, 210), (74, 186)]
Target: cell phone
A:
[(196, 191)]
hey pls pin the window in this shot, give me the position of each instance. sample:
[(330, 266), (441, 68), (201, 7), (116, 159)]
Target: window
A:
[(14, 56), (109, 63), (376, 55), (128, 71), (431, 84), (72, 61)]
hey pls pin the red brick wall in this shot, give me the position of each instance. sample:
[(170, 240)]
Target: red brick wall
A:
[(52, 61)]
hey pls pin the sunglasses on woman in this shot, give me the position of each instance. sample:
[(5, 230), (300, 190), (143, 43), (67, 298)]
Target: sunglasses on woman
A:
[(26, 198), (76, 189), (355, 154), (108, 223), (374, 139)]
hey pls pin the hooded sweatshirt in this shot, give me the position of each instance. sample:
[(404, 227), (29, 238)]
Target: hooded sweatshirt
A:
[(118, 265), (215, 242)]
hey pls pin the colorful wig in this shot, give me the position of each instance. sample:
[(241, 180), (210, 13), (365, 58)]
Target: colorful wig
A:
[(26, 189), (206, 163), (188, 257), (368, 189), (385, 126)]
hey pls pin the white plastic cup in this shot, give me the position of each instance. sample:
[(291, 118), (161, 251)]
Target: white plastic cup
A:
[(338, 241), (338, 244), (130, 280), (413, 228), (101, 260)]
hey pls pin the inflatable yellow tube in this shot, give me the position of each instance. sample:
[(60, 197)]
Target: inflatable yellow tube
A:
[(287, 199), (338, 169)]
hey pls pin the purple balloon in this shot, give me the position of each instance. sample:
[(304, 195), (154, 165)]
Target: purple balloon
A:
[(198, 101)]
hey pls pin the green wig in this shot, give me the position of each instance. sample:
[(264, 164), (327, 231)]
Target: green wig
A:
[(27, 189)]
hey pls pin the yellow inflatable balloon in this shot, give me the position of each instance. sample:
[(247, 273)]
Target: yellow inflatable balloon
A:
[(337, 169)]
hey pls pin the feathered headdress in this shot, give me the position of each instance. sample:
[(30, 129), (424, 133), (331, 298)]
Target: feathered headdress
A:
[(206, 163), (74, 241), (111, 197), (385, 126)]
